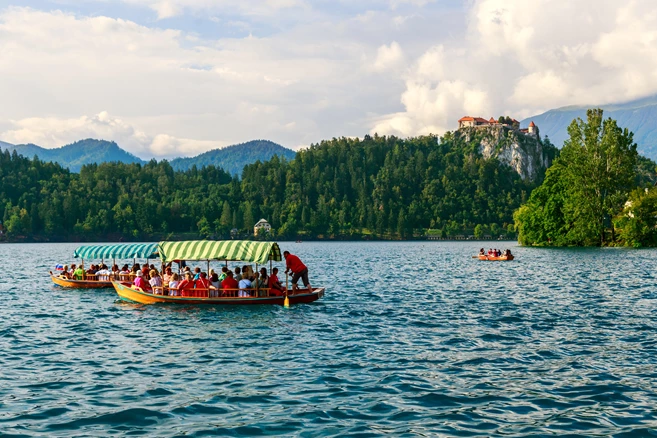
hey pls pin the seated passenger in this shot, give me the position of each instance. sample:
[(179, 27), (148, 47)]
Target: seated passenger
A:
[(156, 282), (65, 272), (71, 271), (186, 287), (238, 276), (263, 275), (224, 271), (103, 274), (229, 285), (482, 252), (141, 283), (214, 281), (197, 273), (166, 277), (79, 273), (202, 281), (275, 286), (245, 284), (173, 285)]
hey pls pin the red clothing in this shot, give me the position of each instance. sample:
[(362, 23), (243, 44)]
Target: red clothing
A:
[(185, 288), (273, 281), (229, 283), (294, 264), (202, 283)]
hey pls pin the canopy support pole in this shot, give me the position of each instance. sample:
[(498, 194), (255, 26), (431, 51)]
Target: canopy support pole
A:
[(257, 282)]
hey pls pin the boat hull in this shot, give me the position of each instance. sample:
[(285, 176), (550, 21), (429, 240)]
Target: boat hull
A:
[(496, 259), (126, 293), (79, 284)]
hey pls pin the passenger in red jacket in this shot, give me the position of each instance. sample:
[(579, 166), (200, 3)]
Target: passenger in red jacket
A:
[(228, 284), (299, 270)]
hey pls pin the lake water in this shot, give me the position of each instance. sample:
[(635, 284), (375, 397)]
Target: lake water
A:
[(412, 338)]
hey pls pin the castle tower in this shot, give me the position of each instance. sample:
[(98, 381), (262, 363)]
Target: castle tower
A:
[(533, 129)]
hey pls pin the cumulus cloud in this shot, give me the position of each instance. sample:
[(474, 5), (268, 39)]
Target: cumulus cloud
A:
[(53, 132), (388, 57), (521, 57)]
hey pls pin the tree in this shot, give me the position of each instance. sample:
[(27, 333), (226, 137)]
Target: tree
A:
[(600, 160), (584, 189)]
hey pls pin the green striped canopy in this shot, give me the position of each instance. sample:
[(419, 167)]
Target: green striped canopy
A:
[(232, 250), (118, 251)]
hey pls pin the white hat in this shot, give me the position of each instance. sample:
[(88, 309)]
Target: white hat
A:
[(140, 274)]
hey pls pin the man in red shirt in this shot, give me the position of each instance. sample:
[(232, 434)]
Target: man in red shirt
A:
[(299, 270), (228, 284)]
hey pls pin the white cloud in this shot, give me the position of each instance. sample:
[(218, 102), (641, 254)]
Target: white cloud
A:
[(525, 56), (390, 66), (53, 132), (388, 57)]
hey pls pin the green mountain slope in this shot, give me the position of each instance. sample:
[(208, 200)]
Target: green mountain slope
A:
[(639, 116), (233, 158), (75, 155)]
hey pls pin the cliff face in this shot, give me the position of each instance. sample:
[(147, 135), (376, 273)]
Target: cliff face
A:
[(528, 155)]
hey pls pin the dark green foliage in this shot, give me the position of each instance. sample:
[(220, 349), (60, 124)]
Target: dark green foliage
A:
[(586, 187), (380, 187), (233, 158)]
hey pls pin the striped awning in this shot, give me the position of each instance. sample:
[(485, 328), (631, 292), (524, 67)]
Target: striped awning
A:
[(232, 250), (118, 251)]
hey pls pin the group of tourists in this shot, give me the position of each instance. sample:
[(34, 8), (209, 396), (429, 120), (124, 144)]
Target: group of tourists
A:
[(494, 252), (239, 282)]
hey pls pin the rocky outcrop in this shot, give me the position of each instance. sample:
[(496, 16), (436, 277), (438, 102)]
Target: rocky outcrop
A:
[(525, 153)]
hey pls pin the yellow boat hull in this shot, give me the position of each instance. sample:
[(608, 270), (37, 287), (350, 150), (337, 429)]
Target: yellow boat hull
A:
[(127, 293), (79, 284)]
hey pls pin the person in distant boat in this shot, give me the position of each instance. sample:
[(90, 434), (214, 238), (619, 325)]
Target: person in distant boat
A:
[(215, 285), (197, 273), (229, 285), (299, 270), (275, 286), (482, 252), (238, 275), (141, 282), (65, 272), (79, 273), (71, 271), (244, 284), (173, 285)]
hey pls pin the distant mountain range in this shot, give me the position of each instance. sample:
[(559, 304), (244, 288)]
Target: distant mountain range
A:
[(639, 116), (232, 158)]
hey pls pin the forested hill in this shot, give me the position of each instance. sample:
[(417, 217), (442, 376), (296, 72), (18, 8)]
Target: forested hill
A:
[(378, 187), (233, 158), (638, 116), (75, 155)]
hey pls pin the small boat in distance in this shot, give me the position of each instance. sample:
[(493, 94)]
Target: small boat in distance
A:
[(502, 258)]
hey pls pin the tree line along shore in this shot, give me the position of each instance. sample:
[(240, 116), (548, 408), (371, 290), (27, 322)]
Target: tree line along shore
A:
[(378, 187)]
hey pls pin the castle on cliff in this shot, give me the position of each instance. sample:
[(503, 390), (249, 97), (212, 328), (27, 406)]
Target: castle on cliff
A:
[(503, 122)]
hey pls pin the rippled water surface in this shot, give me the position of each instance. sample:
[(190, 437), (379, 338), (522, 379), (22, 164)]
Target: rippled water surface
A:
[(411, 339)]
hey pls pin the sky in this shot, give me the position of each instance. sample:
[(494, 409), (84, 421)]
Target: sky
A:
[(167, 78)]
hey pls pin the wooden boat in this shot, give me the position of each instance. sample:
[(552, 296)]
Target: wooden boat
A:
[(492, 258), (106, 252), (79, 284), (127, 292), (225, 251)]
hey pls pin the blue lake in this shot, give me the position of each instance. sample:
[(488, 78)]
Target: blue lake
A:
[(413, 338)]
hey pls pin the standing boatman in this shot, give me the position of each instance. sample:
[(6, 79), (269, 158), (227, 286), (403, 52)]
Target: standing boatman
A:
[(299, 270)]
